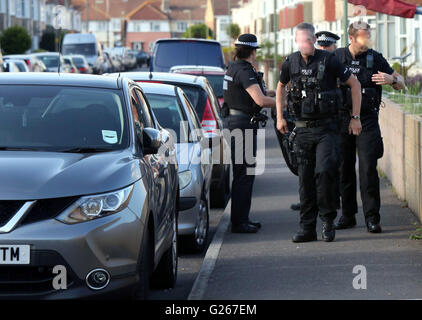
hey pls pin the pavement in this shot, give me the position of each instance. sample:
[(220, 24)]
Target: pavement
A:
[(268, 265)]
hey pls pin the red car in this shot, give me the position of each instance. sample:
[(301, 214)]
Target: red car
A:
[(215, 76)]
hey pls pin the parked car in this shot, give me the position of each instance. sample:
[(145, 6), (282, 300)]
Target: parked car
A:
[(20, 64), (34, 63), (87, 45), (215, 76), (10, 66), (108, 63), (123, 54), (116, 61), (89, 182), (174, 111), (202, 97), (175, 52), (68, 61), (132, 58), (52, 60), (142, 58), (81, 63)]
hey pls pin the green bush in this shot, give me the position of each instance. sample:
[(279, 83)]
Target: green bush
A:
[(15, 40), (198, 31)]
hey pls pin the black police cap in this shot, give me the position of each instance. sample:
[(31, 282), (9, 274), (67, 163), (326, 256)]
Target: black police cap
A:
[(326, 38), (248, 40)]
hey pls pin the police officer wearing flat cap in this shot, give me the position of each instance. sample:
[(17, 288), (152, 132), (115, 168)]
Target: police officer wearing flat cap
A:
[(244, 98), (327, 40), (312, 97), (372, 71)]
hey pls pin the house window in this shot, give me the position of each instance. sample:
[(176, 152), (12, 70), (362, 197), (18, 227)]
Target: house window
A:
[(154, 26), (182, 26)]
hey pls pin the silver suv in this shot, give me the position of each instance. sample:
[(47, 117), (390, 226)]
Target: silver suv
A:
[(89, 188)]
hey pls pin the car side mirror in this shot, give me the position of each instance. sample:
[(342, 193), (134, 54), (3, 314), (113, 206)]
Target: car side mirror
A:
[(152, 140)]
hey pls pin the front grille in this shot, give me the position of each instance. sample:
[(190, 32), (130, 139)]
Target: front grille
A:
[(47, 209), (8, 209), (36, 278), (27, 279)]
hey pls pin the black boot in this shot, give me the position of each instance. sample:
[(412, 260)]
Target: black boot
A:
[(244, 228), (345, 223), (305, 236), (255, 223), (328, 231), (373, 227), (295, 206)]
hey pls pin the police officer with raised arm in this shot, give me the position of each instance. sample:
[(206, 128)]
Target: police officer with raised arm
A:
[(312, 97), (372, 71), (244, 98)]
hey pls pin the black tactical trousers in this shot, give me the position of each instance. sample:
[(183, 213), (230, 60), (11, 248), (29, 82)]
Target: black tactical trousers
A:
[(242, 150), (317, 151), (370, 148)]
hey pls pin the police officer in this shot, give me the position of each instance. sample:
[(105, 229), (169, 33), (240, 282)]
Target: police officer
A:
[(327, 40), (372, 71), (244, 96), (312, 97)]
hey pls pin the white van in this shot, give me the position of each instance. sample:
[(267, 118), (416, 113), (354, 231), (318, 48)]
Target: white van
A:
[(87, 45)]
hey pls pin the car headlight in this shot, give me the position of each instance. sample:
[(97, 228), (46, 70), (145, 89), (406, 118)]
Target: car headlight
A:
[(185, 177), (96, 206)]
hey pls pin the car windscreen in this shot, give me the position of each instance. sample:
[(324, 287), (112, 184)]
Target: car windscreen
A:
[(79, 61), (58, 118), (21, 66), (86, 49), (216, 82), (196, 95), (50, 61), (170, 115), (173, 53)]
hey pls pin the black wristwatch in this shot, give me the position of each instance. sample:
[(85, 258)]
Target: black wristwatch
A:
[(394, 81), (356, 117)]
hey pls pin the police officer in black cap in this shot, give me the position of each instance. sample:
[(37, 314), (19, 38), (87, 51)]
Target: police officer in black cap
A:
[(312, 97), (372, 71), (244, 98), (327, 40)]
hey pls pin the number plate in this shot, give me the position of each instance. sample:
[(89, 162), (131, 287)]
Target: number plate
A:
[(14, 254)]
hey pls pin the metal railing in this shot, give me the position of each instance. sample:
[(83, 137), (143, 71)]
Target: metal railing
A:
[(410, 103)]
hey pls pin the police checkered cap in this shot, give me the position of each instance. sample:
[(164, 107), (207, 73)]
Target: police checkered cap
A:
[(248, 40)]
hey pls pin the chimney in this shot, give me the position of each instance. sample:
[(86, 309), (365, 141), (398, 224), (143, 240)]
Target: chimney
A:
[(165, 6)]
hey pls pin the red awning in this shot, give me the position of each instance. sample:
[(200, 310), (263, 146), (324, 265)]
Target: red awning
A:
[(390, 7)]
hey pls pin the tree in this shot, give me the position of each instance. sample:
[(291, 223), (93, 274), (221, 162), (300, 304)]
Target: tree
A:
[(233, 31), (15, 40), (51, 38), (48, 40), (198, 31)]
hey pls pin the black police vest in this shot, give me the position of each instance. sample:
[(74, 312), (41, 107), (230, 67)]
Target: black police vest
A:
[(371, 95), (305, 99), (235, 96)]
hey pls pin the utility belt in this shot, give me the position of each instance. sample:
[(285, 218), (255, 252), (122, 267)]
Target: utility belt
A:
[(315, 123), (259, 117), (308, 104), (370, 100)]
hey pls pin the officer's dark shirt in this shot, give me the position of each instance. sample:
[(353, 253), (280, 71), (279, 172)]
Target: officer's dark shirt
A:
[(370, 120), (239, 76), (333, 69), (380, 64)]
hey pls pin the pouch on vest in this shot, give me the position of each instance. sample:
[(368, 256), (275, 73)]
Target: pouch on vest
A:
[(328, 102), (369, 99)]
